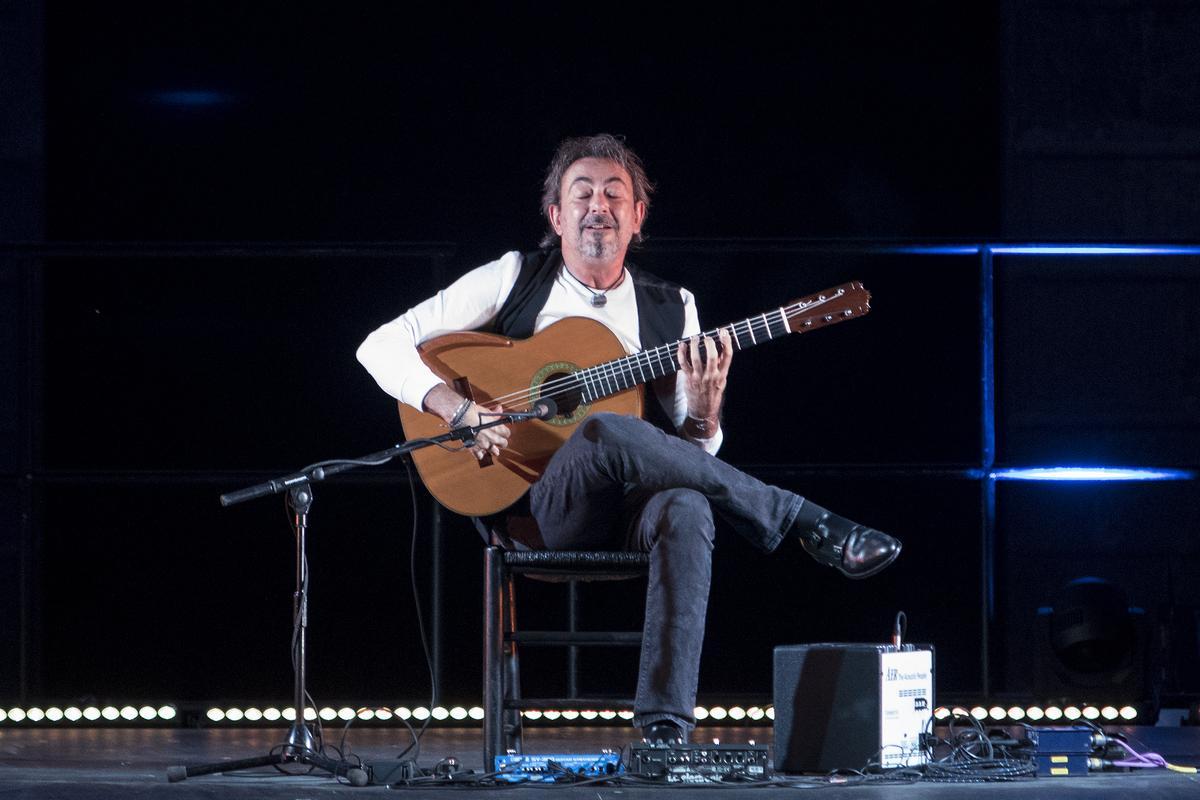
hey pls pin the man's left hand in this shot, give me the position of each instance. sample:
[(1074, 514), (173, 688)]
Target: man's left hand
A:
[(704, 380)]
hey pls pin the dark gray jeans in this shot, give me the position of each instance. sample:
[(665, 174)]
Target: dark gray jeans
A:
[(621, 483)]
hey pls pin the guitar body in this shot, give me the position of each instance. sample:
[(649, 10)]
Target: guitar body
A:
[(489, 367)]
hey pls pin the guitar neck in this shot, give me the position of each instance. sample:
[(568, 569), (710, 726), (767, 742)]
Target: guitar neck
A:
[(825, 308)]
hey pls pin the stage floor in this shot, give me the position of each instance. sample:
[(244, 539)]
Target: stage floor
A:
[(95, 763)]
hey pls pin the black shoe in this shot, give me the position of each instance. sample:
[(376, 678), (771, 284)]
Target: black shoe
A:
[(663, 732), (854, 550)]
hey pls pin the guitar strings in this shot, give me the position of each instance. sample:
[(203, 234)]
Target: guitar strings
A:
[(609, 372), (612, 371)]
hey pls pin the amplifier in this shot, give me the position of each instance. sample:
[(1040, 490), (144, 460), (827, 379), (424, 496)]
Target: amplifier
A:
[(699, 763), (842, 706)]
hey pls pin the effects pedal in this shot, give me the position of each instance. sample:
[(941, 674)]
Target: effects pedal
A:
[(556, 767), (699, 763)]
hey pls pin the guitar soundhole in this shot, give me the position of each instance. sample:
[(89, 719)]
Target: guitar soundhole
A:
[(557, 381), (569, 399)]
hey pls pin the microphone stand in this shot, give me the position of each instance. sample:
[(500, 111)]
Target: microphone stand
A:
[(300, 745)]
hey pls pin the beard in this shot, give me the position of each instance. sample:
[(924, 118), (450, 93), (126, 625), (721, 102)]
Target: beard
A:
[(594, 243)]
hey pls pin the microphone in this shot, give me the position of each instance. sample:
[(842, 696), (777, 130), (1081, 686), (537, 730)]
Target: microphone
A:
[(542, 409), (545, 408)]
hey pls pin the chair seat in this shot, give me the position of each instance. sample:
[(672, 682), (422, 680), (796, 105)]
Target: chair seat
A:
[(582, 565)]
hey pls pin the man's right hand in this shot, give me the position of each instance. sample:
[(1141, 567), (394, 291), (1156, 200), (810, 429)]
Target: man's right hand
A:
[(444, 401), (489, 440)]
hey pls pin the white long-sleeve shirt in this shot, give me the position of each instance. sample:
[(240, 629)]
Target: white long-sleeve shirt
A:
[(390, 352)]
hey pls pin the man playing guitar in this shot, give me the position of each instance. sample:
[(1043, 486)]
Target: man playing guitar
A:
[(620, 482)]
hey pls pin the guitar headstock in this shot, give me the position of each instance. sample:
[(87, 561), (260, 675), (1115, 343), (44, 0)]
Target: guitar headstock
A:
[(848, 301)]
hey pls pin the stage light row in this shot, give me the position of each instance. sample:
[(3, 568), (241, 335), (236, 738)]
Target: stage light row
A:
[(1039, 713), (345, 714), (458, 713), (88, 714)]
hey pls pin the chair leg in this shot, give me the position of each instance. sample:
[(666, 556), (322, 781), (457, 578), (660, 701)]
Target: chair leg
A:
[(493, 643), (573, 651), (512, 667)]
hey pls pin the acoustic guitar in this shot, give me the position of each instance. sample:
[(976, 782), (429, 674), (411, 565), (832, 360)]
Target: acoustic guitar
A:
[(582, 367)]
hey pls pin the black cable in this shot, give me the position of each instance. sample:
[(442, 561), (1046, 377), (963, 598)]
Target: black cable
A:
[(412, 572)]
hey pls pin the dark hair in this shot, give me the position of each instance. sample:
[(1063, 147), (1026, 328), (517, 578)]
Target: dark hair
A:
[(600, 145)]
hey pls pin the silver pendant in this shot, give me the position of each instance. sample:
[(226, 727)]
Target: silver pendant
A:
[(599, 300)]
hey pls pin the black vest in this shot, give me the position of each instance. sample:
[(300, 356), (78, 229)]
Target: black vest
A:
[(659, 307)]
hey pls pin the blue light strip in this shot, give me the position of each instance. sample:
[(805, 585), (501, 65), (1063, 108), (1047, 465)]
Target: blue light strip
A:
[(938, 249), (1094, 250), (1091, 474)]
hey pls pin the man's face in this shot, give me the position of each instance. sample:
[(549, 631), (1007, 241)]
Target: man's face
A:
[(598, 215)]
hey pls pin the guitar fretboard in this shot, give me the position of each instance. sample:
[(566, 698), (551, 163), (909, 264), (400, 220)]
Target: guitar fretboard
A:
[(624, 373)]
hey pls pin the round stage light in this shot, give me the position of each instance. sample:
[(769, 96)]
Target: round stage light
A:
[(1054, 713), (1016, 713), (421, 713), (327, 714), (700, 712), (1108, 712), (458, 712), (110, 713), (1072, 713), (941, 712), (91, 713), (570, 714), (979, 712), (289, 714), (35, 714), (403, 713), (588, 715), (475, 712), (532, 713), (959, 711), (234, 714), (755, 713), (215, 714), (384, 714), (254, 714), (551, 714), (366, 713), (148, 712), (73, 714), (608, 714), (166, 712), (771, 712), (310, 714), (717, 712), (996, 712), (1128, 712), (625, 714), (345, 714), (737, 712), (1091, 712), (54, 713), (440, 713), (16, 715)]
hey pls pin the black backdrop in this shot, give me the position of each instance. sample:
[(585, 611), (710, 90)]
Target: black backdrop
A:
[(153, 374)]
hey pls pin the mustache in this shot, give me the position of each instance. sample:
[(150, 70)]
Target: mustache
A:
[(598, 219)]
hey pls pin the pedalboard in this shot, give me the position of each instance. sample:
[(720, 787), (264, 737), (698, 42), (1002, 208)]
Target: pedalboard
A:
[(556, 767), (699, 763)]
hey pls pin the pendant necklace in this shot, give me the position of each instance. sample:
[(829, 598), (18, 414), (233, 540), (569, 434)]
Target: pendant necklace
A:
[(599, 300)]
